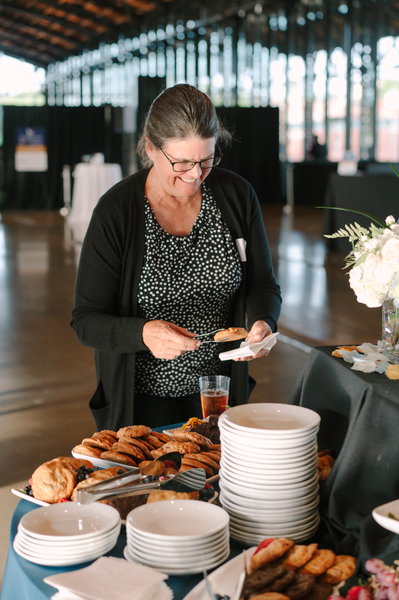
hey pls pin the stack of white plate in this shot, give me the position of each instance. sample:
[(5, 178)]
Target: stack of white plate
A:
[(268, 475), (178, 537), (67, 533)]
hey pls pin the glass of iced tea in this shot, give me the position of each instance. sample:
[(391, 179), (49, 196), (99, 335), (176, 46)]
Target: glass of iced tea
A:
[(214, 390)]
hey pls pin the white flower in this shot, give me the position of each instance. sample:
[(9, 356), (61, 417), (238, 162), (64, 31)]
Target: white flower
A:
[(390, 220), (390, 253), (375, 270), (372, 244), (395, 229)]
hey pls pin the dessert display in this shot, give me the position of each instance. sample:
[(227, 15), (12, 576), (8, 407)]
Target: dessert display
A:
[(282, 570)]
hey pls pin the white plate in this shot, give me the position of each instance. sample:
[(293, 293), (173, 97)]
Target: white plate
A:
[(70, 520), (173, 543), (270, 417), (274, 478), (259, 440), (184, 571), (61, 562), (178, 519), (224, 579), (167, 561), (271, 454), (66, 553), (174, 558), (248, 539), (287, 467), (247, 488), (276, 495), (177, 551), (37, 545), (264, 503), (380, 514), (254, 447), (22, 494), (277, 530), (269, 516)]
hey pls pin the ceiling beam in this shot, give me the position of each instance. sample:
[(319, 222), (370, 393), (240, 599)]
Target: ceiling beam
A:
[(26, 55), (51, 51), (50, 35)]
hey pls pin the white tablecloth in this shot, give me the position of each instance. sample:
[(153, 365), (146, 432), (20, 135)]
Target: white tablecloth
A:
[(91, 182)]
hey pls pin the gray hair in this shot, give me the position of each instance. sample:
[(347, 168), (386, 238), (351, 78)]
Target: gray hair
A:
[(180, 112)]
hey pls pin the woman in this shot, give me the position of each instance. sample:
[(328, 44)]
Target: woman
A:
[(163, 260)]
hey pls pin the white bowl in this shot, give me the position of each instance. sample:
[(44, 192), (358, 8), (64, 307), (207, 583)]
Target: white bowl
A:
[(68, 550), (177, 554), (61, 543), (249, 540), (70, 520), (181, 561), (380, 515), (271, 418), (296, 452), (274, 528), (286, 466), (276, 494), (248, 435), (267, 485), (178, 519)]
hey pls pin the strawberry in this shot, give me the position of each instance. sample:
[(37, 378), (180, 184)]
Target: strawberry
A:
[(263, 544), (353, 593)]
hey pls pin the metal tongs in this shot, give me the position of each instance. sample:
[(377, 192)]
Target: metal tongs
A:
[(201, 335), (116, 487)]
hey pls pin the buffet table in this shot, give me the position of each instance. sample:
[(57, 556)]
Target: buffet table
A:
[(359, 423), (23, 580)]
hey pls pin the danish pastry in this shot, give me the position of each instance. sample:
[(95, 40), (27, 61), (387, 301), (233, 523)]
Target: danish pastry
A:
[(320, 562), (275, 549), (298, 556), (230, 334)]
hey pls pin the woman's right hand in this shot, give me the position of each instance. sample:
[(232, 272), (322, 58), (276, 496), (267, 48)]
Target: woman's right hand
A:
[(166, 340)]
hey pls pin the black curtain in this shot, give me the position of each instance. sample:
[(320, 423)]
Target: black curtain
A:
[(71, 132), (255, 150)]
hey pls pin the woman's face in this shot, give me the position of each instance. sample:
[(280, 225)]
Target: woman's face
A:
[(181, 183)]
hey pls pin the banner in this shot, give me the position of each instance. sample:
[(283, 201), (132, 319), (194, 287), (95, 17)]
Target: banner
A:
[(31, 149)]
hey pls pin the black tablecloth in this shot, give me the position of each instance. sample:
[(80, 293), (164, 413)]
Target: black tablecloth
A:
[(374, 194), (360, 424)]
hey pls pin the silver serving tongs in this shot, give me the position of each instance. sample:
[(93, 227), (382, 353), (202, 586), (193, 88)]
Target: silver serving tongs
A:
[(189, 481)]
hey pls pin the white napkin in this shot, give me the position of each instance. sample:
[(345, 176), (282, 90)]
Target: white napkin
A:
[(108, 578), (248, 349), (369, 362)]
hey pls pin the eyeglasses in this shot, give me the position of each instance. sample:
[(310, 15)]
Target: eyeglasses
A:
[(187, 165)]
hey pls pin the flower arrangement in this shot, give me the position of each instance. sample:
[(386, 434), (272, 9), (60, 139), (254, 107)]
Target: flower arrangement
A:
[(373, 261)]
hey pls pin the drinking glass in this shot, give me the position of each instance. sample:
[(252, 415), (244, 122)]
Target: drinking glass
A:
[(214, 390)]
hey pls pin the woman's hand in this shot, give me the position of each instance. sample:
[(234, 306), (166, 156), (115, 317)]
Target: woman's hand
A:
[(166, 340), (259, 330)]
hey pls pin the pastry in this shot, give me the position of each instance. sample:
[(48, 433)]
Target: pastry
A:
[(182, 448), (190, 436), (155, 467), (216, 447), (106, 432), (104, 435), (98, 442), (96, 477), (216, 456), (56, 479), (204, 460), (134, 431), (320, 562), (392, 371), (195, 464), (88, 450), (343, 568), (299, 555), (118, 457), (130, 450), (270, 596), (138, 443), (161, 436), (230, 334), (276, 548), (169, 495), (154, 441)]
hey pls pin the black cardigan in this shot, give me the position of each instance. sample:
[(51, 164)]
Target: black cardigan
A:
[(105, 313)]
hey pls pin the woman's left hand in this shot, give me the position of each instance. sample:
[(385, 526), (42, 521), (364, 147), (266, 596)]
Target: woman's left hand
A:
[(259, 330)]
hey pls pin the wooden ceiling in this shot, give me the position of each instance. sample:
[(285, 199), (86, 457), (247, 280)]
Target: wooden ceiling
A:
[(47, 31)]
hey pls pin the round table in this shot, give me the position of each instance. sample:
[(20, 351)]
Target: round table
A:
[(23, 580)]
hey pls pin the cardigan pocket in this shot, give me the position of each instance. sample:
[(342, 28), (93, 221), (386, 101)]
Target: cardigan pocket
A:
[(99, 408)]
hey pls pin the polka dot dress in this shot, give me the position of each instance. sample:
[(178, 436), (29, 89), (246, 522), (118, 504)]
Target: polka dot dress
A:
[(188, 281)]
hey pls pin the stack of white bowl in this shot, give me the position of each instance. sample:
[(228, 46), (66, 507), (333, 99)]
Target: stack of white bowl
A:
[(67, 533), (268, 475), (178, 537)]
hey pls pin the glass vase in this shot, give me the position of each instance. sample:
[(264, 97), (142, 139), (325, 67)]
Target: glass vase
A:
[(390, 331)]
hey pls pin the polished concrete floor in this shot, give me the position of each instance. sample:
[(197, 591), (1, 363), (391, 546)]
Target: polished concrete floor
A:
[(47, 377)]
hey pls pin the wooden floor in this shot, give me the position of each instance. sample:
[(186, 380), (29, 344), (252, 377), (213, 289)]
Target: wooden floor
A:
[(47, 377)]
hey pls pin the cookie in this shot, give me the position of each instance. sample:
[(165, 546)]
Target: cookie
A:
[(96, 477), (196, 438), (195, 464), (53, 481), (106, 432), (275, 549), (230, 334), (88, 450), (118, 457), (299, 555), (216, 447), (343, 568), (99, 442), (134, 431), (182, 448), (320, 562), (216, 456), (154, 441), (130, 450), (169, 495), (205, 460), (138, 444), (163, 437), (100, 435), (155, 467), (392, 371)]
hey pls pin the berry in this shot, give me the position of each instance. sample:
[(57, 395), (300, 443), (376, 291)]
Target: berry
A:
[(354, 592), (265, 544), (120, 471), (170, 464)]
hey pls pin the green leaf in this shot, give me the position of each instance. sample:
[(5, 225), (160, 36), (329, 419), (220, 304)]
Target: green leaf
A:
[(359, 212), (391, 165)]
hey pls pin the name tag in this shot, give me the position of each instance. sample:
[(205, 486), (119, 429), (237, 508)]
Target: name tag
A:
[(241, 248)]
